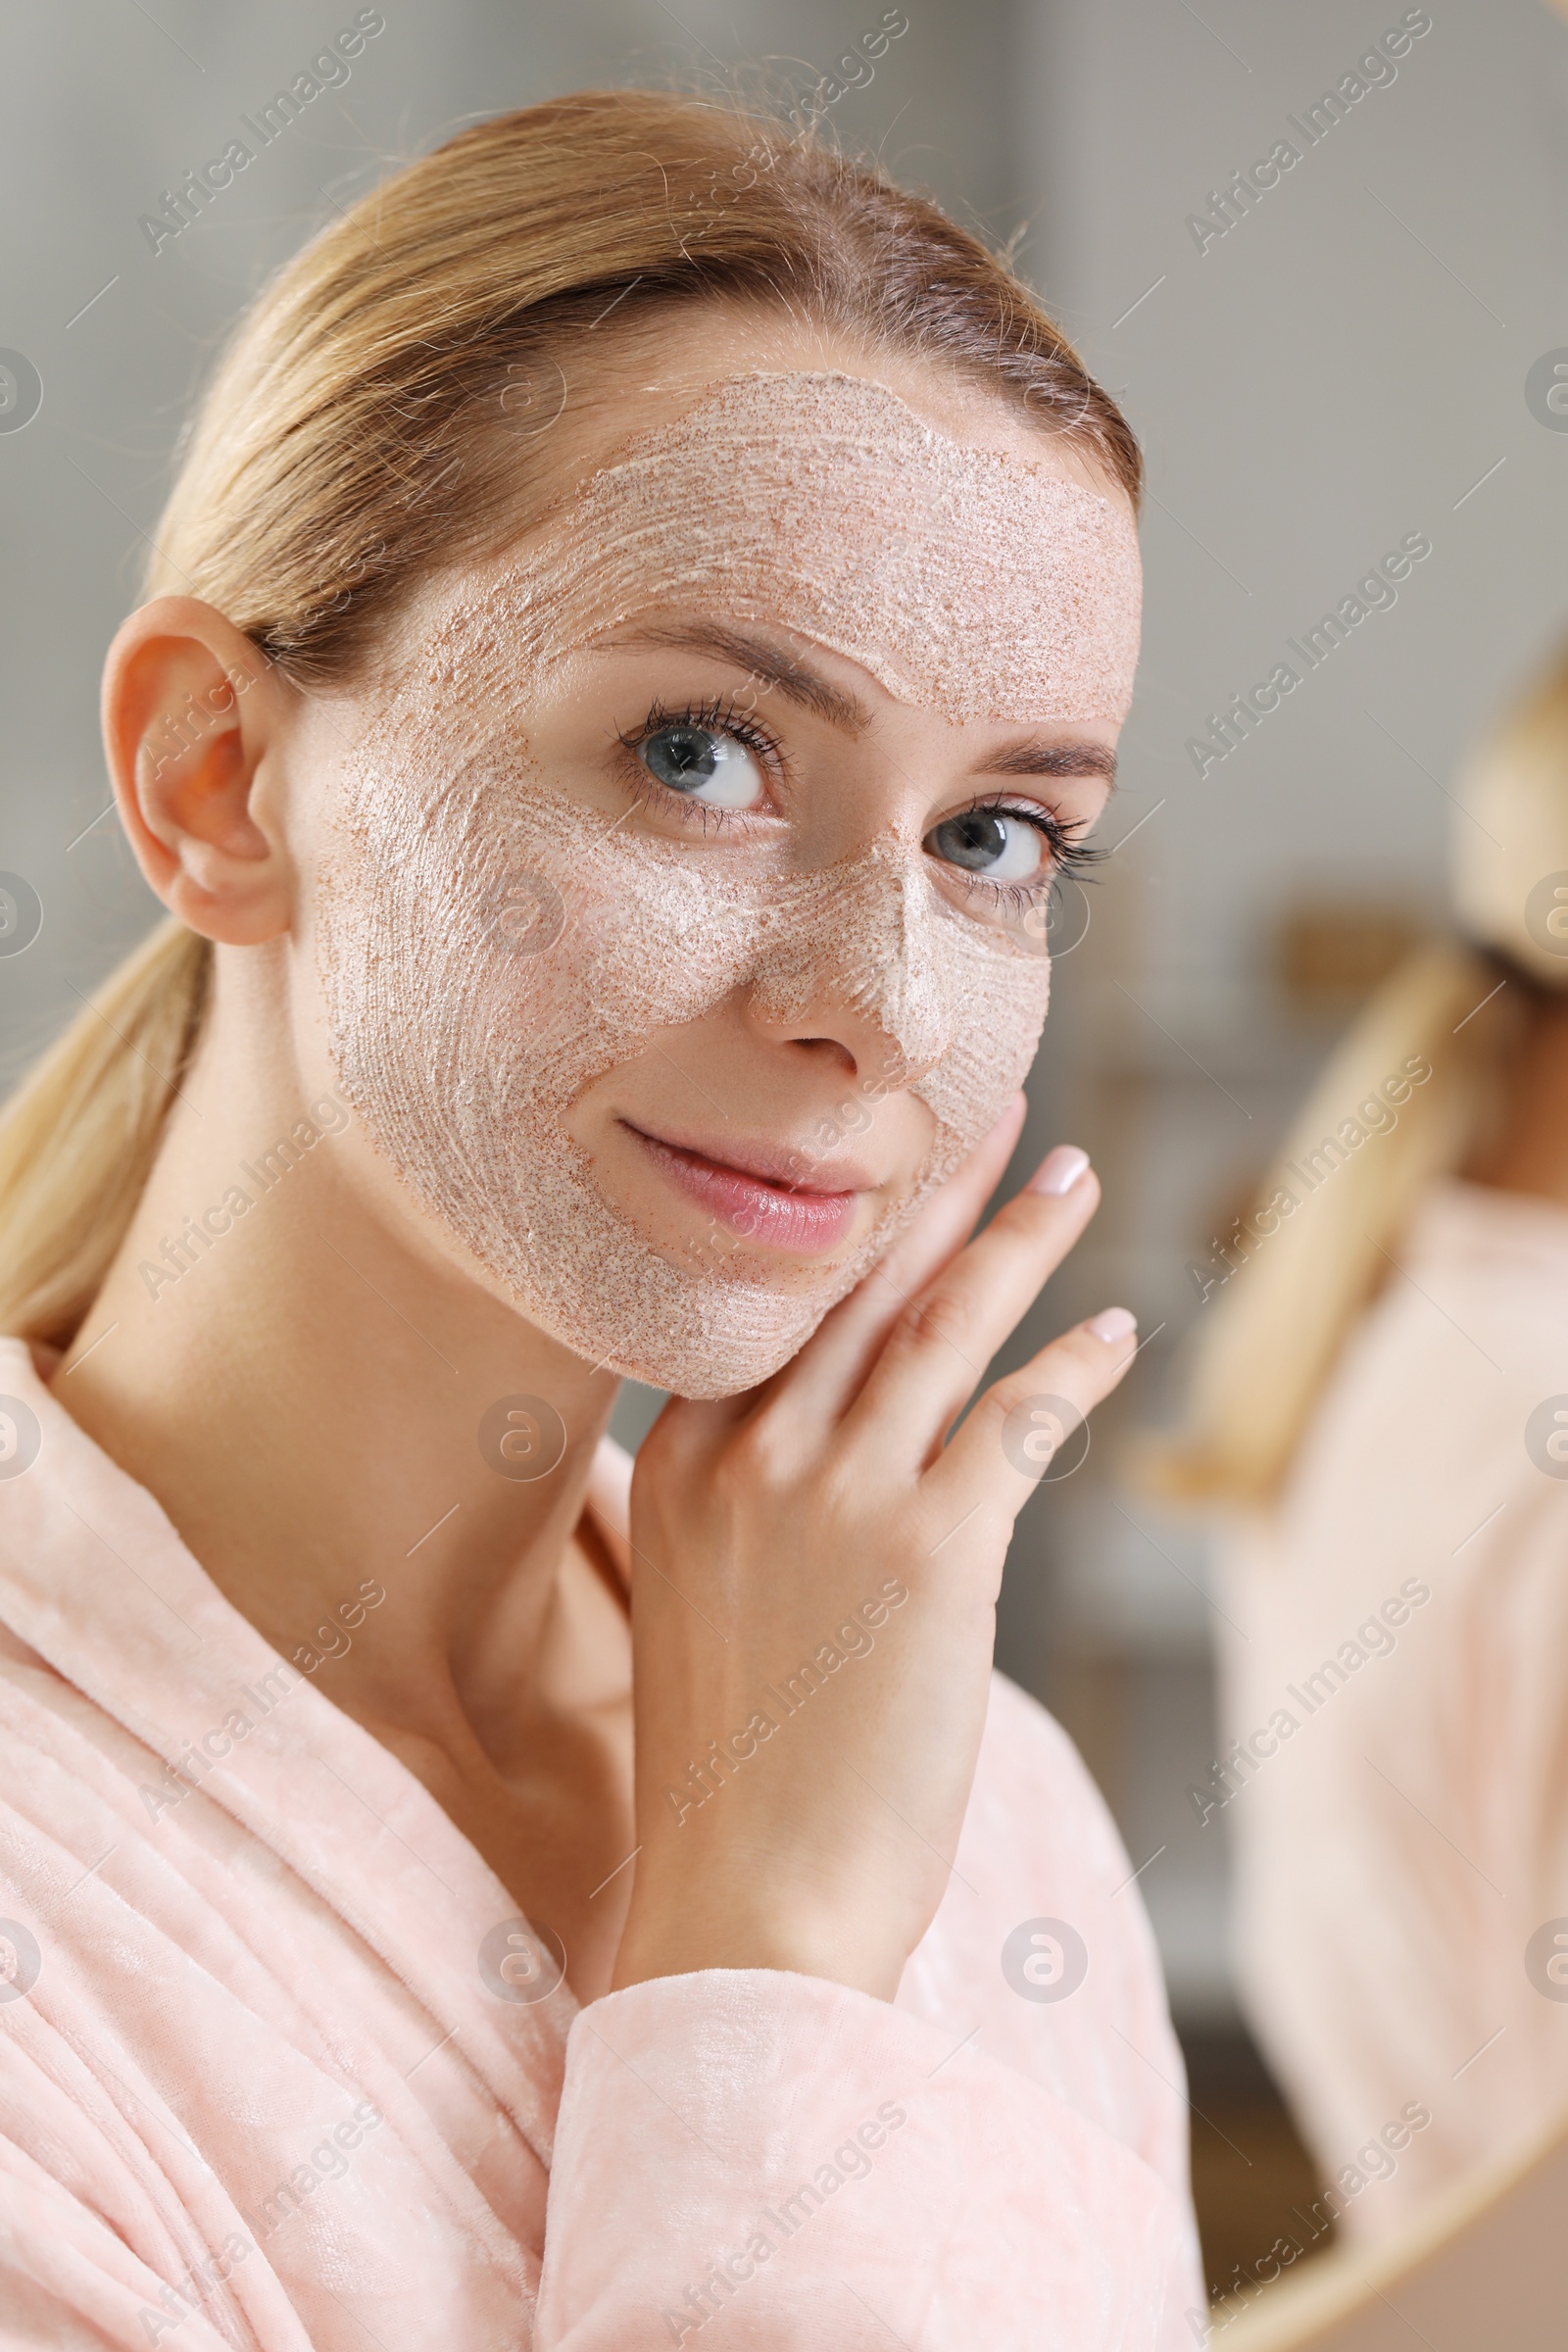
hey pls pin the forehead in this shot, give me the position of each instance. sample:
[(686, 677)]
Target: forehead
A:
[(671, 363), (978, 580)]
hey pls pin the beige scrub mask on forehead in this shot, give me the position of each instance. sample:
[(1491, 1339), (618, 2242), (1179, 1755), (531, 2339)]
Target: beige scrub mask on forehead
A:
[(490, 947)]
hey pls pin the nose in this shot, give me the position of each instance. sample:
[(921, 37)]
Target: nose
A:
[(853, 962)]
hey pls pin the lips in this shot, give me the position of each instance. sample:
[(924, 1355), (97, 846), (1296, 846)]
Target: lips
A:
[(750, 1192)]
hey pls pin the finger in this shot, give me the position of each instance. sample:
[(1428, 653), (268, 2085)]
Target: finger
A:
[(1026, 1422), (935, 1353), (689, 1428), (942, 1227), (834, 1362)]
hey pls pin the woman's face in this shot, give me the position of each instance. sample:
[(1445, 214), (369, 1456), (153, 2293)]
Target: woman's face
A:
[(683, 888)]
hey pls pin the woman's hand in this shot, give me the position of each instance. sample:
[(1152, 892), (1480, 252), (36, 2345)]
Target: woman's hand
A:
[(814, 1582)]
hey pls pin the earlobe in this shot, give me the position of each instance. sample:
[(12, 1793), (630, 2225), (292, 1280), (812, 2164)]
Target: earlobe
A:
[(190, 711)]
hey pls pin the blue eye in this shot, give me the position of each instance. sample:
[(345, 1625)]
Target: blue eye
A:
[(995, 843), (703, 764)]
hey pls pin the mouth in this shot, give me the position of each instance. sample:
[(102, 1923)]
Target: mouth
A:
[(749, 1192)]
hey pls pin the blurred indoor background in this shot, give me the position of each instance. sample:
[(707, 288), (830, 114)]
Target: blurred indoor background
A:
[(1318, 373)]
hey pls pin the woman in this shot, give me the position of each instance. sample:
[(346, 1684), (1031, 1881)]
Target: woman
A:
[(645, 613), (1380, 1399)]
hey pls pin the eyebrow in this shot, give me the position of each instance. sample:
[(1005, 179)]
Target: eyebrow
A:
[(767, 663), (771, 666), (1037, 758)]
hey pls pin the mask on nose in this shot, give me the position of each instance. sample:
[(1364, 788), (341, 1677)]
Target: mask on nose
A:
[(466, 1041), (489, 949)]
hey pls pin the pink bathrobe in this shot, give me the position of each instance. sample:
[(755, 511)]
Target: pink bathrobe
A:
[(271, 2075), (1400, 1835)]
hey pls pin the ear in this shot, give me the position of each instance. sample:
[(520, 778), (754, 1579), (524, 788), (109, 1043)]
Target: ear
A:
[(190, 712)]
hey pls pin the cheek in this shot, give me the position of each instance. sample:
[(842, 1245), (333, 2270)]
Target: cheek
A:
[(498, 949), (492, 935), (660, 943), (1001, 997), (648, 946)]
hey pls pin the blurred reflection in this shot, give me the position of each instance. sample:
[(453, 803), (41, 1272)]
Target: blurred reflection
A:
[(1379, 1416)]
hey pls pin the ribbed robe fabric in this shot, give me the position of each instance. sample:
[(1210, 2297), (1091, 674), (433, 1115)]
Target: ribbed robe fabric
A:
[(263, 2084)]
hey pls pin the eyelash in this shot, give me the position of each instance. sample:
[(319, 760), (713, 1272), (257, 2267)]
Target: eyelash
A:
[(1069, 858), (721, 715)]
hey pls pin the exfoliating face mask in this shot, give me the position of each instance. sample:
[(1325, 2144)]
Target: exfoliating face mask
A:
[(965, 581), (490, 947)]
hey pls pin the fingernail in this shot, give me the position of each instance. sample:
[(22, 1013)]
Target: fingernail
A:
[(1114, 1323), (1060, 1170)]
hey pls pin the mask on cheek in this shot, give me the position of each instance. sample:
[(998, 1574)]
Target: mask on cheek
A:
[(490, 948), (495, 951)]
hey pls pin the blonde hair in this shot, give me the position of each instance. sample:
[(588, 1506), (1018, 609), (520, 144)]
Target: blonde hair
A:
[(1270, 1339), (376, 415)]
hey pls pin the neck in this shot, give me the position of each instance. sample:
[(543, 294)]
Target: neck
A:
[(304, 1397)]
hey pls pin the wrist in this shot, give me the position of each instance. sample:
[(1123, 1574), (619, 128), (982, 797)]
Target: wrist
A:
[(685, 1942)]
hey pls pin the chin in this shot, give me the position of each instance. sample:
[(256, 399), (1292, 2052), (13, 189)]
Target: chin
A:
[(707, 1318), (708, 1382), (697, 1333)]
